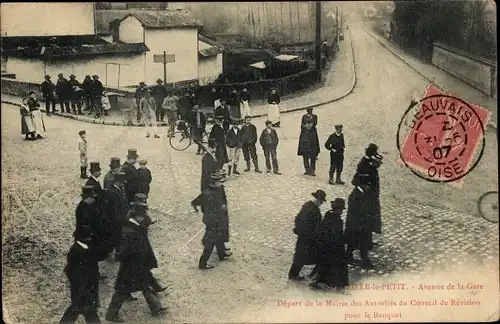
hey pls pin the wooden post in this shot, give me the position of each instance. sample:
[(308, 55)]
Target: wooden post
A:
[(165, 68), (119, 68), (106, 77), (318, 38), (298, 16)]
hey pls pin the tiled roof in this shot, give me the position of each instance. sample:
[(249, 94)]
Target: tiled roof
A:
[(165, 18), (84, 50)]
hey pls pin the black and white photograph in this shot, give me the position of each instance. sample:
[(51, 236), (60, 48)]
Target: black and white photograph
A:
[(249, 162)]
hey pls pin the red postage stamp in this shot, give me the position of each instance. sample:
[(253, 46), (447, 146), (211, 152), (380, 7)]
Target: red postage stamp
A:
[(444, 137)]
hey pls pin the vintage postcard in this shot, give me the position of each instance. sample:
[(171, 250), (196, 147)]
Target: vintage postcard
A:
[(249, 162)]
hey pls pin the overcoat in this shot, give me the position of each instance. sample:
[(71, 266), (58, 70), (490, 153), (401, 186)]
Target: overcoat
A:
[(308, 142), (208, 166), (109, 180), (223, 111), (82, 272), (115, 207), (219, 136), (332, 263), (366, 166), (94, 183), (224, 221), (144, 180), (359, 222), (136, 258), (212, 215), (306, 228), (90, 213), (132, 182)]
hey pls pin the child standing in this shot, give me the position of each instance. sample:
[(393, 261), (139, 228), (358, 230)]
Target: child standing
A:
[(106, 106), (269, 142), (336, 145), (144, 177), (82, 148)]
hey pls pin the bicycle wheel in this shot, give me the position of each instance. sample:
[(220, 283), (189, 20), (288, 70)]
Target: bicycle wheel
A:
[(488, 206), (180, 141)]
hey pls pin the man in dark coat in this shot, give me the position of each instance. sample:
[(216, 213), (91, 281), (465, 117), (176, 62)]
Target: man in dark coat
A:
[(144, 178), (224, 224), (309, 145), (136, 258), (63, 91), (218, 135), (249, 138), (269, 142), (233, 101), (82, 272), (331, 267), (76, 94), (309, 115), (208, 166), (197, 121), (336, 145), (307, 224), (87, 91), (110, 177), (213, 211), (48, 89), (132, 182), (96, 95), (234, 142), (159, 93)]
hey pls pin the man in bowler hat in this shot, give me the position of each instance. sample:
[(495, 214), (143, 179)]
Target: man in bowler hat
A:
[(213, 214), (82, 272), (136, 258), (336, 145), (307, 224), (110, 177), (95, 173), (131, 176)]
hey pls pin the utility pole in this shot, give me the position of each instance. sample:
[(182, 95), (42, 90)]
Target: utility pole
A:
[(291, 23), (298, 16), (165, 68), (318, 38)]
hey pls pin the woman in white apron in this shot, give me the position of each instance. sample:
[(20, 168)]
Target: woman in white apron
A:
[(245, 106), (27, 126), (273, 111), (36, 115)]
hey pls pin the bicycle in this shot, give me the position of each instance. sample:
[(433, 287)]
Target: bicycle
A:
[(182, 139)]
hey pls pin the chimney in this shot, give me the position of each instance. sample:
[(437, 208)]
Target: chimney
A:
[(114, 27)]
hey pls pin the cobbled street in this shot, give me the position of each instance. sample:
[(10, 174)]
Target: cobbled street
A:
[(425, 225)]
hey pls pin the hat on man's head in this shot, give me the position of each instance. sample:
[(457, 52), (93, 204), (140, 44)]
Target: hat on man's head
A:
[(142, 83), (47, 77), (140, 200), (219, 117), (338, 204), (60, 74), (88, 191), (320, 195), (132, 153), (235, 121), (82, 132), (142, 162), (31, 92), (115, 162), (339, 126), (268, 122), (72, 76), (95, 166), (159, 81), (95, 76)]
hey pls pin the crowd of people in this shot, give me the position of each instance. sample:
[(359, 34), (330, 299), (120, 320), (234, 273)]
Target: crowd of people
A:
[(74, 96), (112, 217)]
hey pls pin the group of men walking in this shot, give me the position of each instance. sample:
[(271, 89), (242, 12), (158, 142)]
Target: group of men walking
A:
[(73, 95), (323, 241), (110, 217)]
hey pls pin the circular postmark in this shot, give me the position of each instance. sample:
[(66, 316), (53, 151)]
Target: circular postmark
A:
[(442, 138)]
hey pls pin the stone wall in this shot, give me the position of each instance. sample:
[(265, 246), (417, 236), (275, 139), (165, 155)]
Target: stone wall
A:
[(478, 72)]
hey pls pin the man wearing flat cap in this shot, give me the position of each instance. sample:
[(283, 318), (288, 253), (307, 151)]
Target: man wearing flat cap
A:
[(336, 145), (131, 175), (48, 89), (63, 91), (307, 224)]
